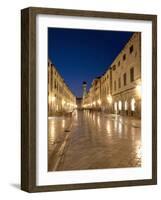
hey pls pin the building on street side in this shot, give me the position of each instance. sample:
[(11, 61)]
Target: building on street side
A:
[(79, 103), (126, 79), (60, 98), (118, 90)]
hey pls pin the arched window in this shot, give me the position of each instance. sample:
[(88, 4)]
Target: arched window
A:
[(120, 105), (132, 104)]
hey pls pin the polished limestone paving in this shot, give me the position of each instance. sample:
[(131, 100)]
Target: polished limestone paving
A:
[(93, 140)]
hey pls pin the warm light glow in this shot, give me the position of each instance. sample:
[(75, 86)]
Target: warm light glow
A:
[(109, 98), (120, 128), (53, 98), (51, 130), (63, 123), (108, 128), (99, 101), (98, 121), (138, 90), (115, 106), (133, 104), (63, 102), (120, 105)]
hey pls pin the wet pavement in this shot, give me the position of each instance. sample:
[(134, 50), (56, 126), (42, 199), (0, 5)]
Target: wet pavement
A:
[(93, 140)]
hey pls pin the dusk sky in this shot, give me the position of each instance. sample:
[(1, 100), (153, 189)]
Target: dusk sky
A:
[(81, 55)]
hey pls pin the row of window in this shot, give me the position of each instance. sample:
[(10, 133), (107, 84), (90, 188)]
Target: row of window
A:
[(123, 82), (55, 85), (107, 76), (124, 79), (131, 49)]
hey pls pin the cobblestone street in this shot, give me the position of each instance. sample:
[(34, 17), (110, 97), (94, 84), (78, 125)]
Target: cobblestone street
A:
[(93, 140)]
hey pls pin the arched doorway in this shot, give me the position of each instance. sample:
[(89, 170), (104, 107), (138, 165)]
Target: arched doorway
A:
[(133, 106), (126, 107), (120, 106), (115, 107)]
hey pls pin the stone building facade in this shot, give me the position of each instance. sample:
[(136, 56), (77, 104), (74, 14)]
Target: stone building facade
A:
[(118, 90), (92, 98), (60, 98), (79, 103)]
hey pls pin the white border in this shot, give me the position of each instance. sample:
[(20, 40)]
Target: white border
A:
[(86, 176)]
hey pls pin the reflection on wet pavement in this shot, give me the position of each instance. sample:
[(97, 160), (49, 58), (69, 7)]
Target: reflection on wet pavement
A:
[(94, 141)]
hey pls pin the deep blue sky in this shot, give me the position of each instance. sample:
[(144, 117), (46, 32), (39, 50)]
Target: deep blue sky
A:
[(81, 55)]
